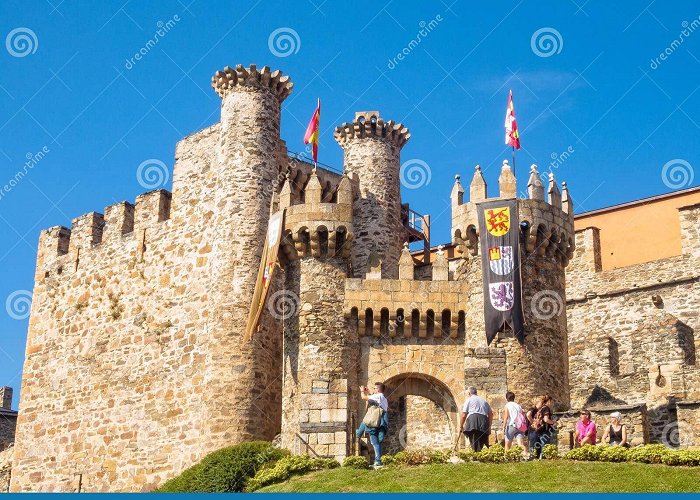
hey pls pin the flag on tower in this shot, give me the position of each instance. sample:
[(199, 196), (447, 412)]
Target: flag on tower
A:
[(311, 135), (512, 136)]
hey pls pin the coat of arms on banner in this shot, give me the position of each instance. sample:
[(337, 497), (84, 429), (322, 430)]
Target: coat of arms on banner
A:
[(497, 220), (501, 260), (502, 295)]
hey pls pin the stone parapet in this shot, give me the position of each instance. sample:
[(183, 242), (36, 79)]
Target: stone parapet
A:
[(250, 79)]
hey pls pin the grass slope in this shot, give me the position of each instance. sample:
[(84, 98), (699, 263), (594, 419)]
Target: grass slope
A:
[(560, 476)]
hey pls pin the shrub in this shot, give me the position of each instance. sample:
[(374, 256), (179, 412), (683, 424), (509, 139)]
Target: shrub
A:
[(649, 454), (388, 460), (495, 454), (286, 467), (438, 457), (681, 457), (412, 457), (515, 454), (225, 470), (467, 455), (356, 462), (613, 454), (587, 452), (550, 452)]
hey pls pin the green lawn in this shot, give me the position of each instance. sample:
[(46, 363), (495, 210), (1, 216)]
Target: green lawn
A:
[(562, 476)]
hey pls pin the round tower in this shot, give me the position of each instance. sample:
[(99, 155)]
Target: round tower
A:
[(372, 149), (318, 376), (539, 364), (240, 378)]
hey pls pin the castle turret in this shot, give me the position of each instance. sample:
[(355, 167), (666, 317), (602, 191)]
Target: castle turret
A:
[(540, 364), (242, 377), (319, 373), (372, 158)]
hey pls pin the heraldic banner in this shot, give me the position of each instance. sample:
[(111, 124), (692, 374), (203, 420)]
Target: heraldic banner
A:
[(267, 268), (499, 234)]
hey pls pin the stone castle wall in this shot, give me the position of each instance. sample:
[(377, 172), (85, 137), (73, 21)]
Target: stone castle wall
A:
[(633, 332)]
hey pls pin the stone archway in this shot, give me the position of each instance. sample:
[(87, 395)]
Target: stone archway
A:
[(422, 411)]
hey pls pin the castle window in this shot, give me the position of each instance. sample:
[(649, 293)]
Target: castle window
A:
[(369, 320), (446, 319), (415, 322), (613, 356), (461, 324), (399, 322), (354, 318), (384, 322), (430, 322)]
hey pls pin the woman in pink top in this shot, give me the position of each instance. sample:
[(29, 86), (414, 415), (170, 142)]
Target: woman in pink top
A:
[(585, 430)]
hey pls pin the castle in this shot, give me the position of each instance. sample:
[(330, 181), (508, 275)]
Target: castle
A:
[(135, 366)]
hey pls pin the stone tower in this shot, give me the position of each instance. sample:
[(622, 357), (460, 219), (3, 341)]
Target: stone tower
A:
[(540, 365), (318, 373), (372, 149), (250, 154)]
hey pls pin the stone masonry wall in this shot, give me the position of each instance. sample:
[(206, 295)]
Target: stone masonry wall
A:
[(633, 332), (109, 404)]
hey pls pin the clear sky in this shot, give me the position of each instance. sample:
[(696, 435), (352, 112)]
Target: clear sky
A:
[(588, 79)]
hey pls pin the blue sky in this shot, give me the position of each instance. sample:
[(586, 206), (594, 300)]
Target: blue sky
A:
[(587, 79)]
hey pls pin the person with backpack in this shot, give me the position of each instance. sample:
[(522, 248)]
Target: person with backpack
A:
[(376, 421), (515, 424), (531, 431), (478, 417), (544, 425)]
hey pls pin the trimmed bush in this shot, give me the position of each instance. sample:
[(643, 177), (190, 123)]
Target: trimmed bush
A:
[(614, 454), (495, 454), (515, 454), (437, 457), (649, 454), (550, 452), (286, 467), (467, 455), (682, 457), (388, 460), (356, 462), (225, 470), (587, 453)]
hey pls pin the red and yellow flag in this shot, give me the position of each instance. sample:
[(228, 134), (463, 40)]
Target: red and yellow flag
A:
[(311, 135), (512, 136)]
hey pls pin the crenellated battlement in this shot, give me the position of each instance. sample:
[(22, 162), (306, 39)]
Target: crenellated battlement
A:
[(251, 79), (368, 124), (547, 226), (317, 227), (93, 231)]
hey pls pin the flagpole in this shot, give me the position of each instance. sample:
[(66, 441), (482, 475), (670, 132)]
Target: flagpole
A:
[(514, 162)]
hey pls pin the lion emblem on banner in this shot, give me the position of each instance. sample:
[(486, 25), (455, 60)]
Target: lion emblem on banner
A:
[(497, 220), (502, 295)]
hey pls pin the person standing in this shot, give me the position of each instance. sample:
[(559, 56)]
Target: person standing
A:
[(531, 415), (377, 434), (478, 417), (585, 430), (545, 424), (512, 417)]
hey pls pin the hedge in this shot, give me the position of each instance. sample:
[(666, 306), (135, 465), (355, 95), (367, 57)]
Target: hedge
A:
[(225, 470)]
